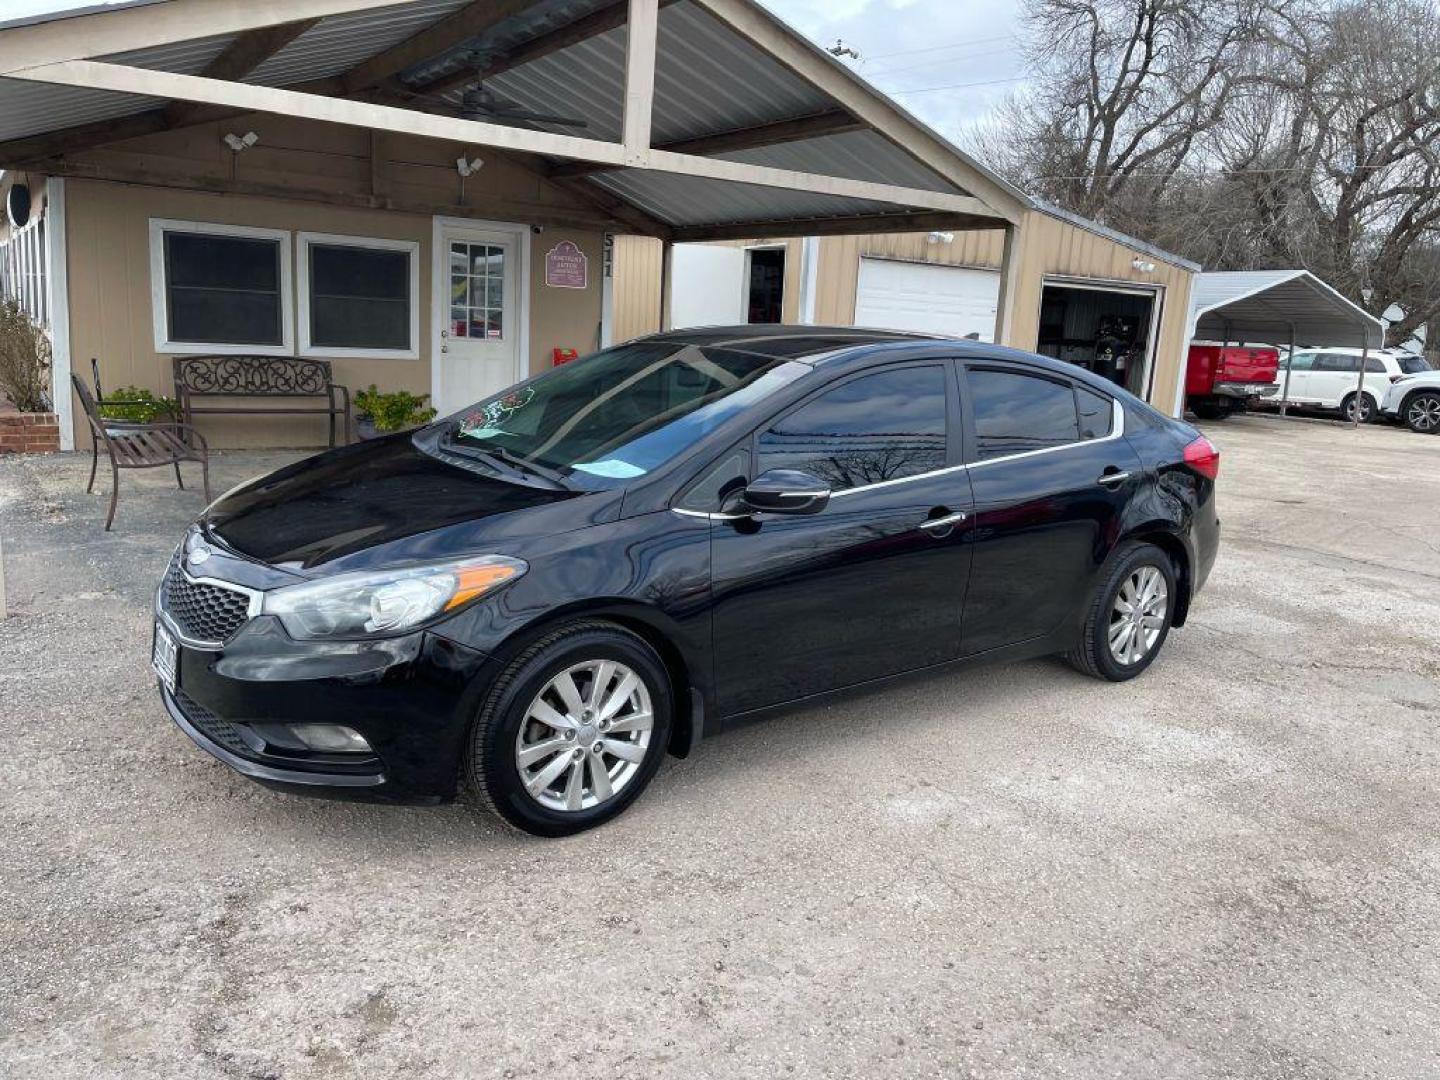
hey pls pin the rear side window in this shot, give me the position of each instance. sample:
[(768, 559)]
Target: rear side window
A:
[(1338, 362), (875, 428), (1097, 414), (1016, 413), (1412, 365), (1374, 367)]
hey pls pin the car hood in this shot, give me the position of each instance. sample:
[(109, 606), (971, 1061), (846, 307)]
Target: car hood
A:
[(385, 502)]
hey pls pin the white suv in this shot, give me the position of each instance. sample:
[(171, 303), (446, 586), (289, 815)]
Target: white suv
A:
[(1326, 378), (1414, 400)]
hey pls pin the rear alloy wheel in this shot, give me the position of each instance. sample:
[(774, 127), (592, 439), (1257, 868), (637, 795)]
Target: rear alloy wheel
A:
[(1367, 408), (572, 731), (1129, 615), (1422, 413)]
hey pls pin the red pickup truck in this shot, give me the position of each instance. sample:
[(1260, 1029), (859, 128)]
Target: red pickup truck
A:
[(1220, 380)]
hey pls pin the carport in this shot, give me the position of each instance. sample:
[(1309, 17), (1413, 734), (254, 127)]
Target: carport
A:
[(1278, 307), (345, 124)]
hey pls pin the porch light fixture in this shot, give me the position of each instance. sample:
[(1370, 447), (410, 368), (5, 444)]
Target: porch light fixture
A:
[(469, 168), (1140, 264), (241, 142), (940, 238)]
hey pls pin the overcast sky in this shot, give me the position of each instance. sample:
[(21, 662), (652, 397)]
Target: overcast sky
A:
[(947, 61)]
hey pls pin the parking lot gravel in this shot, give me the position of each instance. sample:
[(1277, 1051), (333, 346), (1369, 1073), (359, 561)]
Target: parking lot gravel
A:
[(1229, 868)]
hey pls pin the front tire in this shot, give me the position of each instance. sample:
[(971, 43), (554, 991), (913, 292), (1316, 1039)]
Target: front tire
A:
[(572, 731), (1422, 412), (1129, 615), (1367, 408)]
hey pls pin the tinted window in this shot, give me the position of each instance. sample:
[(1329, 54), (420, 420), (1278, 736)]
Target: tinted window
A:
[(1412, 365), (729, 474), (1097, 414), (223, 290), (359, 297), (1375, 367), (878, 427), (1015, 413), (1337, 362)]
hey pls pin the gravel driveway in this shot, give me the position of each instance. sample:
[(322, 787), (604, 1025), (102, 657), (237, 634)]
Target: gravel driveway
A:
[(1229, 868)]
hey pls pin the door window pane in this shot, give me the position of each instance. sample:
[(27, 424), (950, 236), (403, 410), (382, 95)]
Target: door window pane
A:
[(880, 427), (1302, 362), (223, 290), (477, 290), (1097, 414), (359, 297), (1015, 413), (1338, 362)]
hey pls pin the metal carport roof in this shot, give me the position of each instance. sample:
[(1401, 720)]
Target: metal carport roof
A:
[(1278, 306)]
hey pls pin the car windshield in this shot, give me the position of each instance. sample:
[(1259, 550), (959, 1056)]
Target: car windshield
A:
[(621, 413), (1412, 365)]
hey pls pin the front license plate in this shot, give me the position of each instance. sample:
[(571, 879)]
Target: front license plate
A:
[(163, 656)]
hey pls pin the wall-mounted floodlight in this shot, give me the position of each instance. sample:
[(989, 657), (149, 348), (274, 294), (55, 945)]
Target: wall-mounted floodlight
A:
[(241, 142), (1140, 264), (469, 168), (940, 238)]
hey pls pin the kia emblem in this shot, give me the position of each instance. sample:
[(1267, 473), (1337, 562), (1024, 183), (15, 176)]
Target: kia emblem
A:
[(199, 555)]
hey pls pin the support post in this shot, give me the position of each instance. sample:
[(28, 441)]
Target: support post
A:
[(1009, 287), (1360, 386), (809, 278), (667, 274), (1289, 362)]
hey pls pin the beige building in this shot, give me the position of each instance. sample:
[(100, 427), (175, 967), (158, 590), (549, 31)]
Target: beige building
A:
[(1074, 280), (428, 194)]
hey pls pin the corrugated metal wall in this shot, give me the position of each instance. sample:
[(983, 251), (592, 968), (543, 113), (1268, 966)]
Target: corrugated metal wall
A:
[(1049, 247)]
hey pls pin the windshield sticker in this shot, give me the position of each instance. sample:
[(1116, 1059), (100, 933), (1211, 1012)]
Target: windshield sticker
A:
[(484, 423), (613, 468)]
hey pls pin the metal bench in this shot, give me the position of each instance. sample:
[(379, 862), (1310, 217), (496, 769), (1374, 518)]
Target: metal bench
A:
[(259, 377), (138, 446)]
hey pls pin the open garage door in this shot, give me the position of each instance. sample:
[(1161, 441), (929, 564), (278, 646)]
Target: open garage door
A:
[(928, 298)]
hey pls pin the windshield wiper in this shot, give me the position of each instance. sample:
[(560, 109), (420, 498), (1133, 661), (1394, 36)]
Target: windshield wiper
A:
[(512, 458), (503, 461)]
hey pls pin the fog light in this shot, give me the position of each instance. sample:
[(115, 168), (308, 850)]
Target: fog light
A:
[(330, 737)]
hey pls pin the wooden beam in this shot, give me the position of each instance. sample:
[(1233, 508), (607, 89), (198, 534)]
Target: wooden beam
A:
[(470, 21), (537, 48), (834, 122), (861, 225), (132, 80), (242, 56), (123, 29), (641, 33), (19, 152), (875, 110), (512, 209)]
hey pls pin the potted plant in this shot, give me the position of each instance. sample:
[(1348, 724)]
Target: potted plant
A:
[(139, 406), (379, 414), (33, 426)]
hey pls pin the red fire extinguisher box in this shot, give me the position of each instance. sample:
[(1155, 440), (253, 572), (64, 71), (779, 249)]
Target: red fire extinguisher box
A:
[(564, 356)]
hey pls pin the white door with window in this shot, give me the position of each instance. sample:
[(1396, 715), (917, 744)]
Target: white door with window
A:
[(478, 281), (927, 297)]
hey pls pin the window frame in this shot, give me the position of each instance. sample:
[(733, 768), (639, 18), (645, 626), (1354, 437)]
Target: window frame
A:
[(972, 457), (160, 294), (953, 420), (304, 241)]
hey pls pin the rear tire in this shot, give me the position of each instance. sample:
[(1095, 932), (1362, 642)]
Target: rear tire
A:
[(1421, 412), (586, 762), (1211, 411), (1367, 408), (1138, 575)]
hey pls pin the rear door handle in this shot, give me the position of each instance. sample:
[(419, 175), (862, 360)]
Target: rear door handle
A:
[(1112, 479), (949, 521)]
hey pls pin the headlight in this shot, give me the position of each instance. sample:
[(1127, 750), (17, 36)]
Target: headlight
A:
[(379, 602)]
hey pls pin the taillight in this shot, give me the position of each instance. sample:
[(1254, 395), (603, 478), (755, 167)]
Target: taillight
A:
[(1202, 456)]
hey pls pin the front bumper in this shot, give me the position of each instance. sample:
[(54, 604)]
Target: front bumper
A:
[(410, 697)]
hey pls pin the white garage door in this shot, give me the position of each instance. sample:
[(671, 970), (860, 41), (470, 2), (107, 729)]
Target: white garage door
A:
[(932, 299)]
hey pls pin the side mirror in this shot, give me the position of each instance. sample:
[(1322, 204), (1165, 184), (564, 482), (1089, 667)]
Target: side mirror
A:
[(786, 491)]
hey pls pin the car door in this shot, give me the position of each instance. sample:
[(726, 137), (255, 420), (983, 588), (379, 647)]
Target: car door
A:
[(1301, 367), (869, 586), (1051, 474), (1335, 375)]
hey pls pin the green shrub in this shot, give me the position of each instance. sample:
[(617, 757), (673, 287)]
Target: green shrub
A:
[(24, 360), (138, 405), (393, 412)]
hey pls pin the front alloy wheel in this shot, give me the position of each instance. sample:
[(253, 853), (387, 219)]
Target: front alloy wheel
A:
[(1422, 413), (571, 730), (1137, 617)]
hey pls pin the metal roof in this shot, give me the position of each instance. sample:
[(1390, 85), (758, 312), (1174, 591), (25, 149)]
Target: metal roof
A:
[(694, 200), (1265, 305)]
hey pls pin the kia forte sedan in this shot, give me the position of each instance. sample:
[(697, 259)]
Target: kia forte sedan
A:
[(537, 598)]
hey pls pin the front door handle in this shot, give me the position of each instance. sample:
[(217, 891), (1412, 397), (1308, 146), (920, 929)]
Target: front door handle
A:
[(949, 521), (1112, 479)]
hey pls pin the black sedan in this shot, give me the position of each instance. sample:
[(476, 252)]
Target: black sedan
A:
[(538, 597)]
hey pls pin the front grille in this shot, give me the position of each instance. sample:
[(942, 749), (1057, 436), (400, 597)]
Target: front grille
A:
[(202, 611), (213, 727)]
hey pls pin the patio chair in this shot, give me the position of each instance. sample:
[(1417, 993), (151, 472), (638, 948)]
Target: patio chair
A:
[(133, 445)]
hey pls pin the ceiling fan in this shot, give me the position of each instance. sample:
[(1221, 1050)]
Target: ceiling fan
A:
[(480, 103)]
